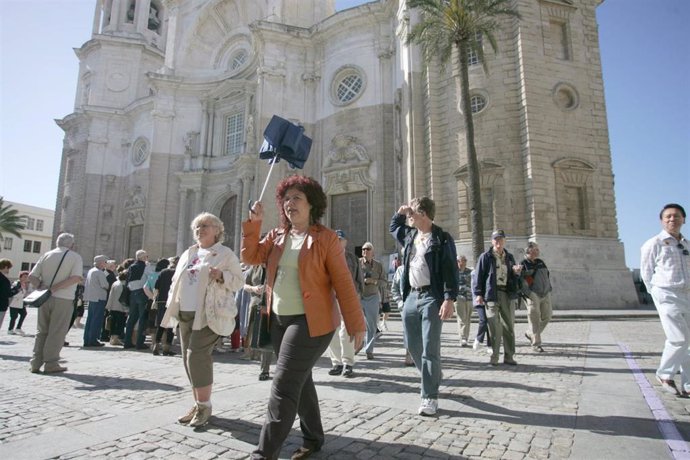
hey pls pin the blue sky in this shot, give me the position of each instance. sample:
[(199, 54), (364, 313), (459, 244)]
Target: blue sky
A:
[(645, 48)]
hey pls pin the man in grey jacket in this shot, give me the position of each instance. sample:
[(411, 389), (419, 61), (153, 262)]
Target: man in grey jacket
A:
[(537, 292)]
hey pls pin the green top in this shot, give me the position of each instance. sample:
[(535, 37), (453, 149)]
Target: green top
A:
[(287, 292)]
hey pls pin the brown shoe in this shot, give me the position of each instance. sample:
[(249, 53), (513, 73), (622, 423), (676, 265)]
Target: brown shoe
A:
[(304, 452), (54, 370), (186, 418), (35, 370)]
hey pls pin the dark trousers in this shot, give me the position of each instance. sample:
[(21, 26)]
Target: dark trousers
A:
[(292, 391), (138, 317), (17, 313), (483, 325), (169, 334), (117, 323)]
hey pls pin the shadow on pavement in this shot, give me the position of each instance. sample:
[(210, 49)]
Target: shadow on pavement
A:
[(611, 425), (101, 382)]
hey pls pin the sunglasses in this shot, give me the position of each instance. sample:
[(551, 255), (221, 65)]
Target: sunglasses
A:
[(682, 248)]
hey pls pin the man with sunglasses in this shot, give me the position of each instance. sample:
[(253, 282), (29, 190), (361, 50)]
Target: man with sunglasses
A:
[(665, 270)]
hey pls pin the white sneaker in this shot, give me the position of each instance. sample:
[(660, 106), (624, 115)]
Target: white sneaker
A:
[(489, 350), (463, 343), (475, 345), (19, 332), (428, 407), (11, 332)]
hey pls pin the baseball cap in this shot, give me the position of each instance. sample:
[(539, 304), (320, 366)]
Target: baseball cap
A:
[(341, 234), (498, 234)]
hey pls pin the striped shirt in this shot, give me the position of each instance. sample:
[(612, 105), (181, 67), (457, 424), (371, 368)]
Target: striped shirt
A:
[(665, 262)]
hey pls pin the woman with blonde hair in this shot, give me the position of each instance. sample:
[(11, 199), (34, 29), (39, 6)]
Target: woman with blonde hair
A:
[(202, 301)]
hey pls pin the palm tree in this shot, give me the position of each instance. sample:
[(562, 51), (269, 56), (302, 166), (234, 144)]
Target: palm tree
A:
[(10, 221), (460, 25)]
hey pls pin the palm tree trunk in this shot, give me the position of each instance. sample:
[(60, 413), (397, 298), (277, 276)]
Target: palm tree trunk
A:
[(476, 223)]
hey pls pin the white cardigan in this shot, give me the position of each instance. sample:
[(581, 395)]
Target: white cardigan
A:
[(217, 302)]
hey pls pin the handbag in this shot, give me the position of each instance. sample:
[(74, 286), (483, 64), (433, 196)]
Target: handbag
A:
[(40, 296), (124, 295)]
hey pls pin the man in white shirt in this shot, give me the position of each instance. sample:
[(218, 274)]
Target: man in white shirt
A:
[(665, 270), (64, 268)]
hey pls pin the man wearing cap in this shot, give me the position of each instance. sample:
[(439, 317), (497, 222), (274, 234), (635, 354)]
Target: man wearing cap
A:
[(96, 294), (495, 286), (665, 270), (61, 269), (136, 278), (341, 349), (372, 294), (463, 304), (429, 287)]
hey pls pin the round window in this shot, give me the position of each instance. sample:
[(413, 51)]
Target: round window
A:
[(477, 102), (238, 59), (140, 152), (565, 97), (348, 85)]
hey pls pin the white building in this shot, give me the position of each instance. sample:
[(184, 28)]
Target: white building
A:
[(36, 238), (173, 97)]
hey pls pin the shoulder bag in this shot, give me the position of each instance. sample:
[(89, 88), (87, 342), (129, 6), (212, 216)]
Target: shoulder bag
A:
[(40, 296)]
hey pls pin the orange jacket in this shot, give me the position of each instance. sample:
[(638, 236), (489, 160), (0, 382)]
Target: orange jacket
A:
[(322, 270)]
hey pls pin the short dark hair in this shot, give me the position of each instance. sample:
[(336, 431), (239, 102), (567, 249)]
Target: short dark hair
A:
[(162, 264), (425, 205), (5, 263), (672, 206), (311, 189)]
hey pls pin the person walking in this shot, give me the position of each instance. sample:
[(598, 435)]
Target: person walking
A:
[(537, 292), (305, 267), (341, 350), (20, 289), (117, 310), (665, 270), (463, 304), (202, 302), (429, 289), (372, 294), (64, 267), (495, 286)]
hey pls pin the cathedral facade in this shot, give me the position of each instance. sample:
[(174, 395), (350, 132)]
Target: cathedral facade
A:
[(173, 96)]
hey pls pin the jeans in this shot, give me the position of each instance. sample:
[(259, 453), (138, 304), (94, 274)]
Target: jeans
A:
[(370, 305), (94, 322), (137, 315), (483, 328), (423, 335)]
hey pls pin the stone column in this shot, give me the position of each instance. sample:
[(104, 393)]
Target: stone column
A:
[(204, 129), (182, 221), (97, 15), (141, 15)]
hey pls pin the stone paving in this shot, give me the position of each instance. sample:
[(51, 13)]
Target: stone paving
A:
[(114, 403)]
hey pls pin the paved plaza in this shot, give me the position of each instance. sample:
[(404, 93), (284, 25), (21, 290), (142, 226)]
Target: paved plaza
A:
[(592, 394)]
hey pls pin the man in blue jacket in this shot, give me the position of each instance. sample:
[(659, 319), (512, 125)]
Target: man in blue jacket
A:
[(495, 287), (429, 289)]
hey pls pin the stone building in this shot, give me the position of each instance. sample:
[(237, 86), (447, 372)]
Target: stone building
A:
[(173, 96)]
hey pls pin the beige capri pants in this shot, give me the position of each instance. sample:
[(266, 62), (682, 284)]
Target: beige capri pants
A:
[(197, 348)]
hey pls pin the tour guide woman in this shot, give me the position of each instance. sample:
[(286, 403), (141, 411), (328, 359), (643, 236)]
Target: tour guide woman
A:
[(305, 264), (202, 300)]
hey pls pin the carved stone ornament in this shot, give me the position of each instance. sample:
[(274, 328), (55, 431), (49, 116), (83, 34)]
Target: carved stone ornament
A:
[(346, 151), (136, 199)]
